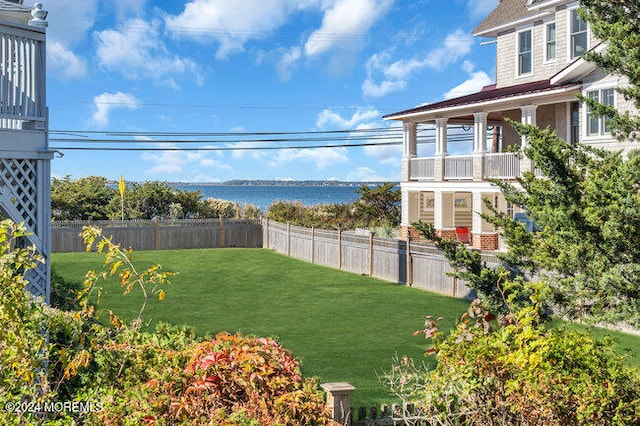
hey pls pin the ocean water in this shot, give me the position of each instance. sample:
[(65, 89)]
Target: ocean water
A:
[(264, 195)]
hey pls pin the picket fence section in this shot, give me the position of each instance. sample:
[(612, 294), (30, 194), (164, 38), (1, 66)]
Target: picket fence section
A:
[(385, 258), (162, 235)]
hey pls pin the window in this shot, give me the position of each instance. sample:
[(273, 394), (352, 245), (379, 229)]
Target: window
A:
[(578, 35), (599, 125), (550, 34), (524, 52), (575, 122)]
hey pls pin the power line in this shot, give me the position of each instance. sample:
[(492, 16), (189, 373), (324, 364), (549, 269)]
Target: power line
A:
[(346, 138)]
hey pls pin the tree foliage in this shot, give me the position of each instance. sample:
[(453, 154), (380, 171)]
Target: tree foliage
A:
[(379, 205), (92, 198), (82, 198), (617, 23)]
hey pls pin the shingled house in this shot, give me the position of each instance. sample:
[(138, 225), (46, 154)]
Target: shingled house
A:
[(539, 71)]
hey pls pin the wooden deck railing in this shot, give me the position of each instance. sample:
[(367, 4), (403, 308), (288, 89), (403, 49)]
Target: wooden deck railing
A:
[(422, 168), (458, 167), (504, 165), (22, 77)]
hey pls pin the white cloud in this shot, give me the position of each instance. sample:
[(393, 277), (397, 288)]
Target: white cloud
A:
[(343, 22), (365, 118), (136, 50), (125, 8), (61, 59), (106, 102), (176, 162), (230, 23), (364, 174), (394, 75), (473, 84), (331, 119), (286, 66), (478, 9), (322, 157)]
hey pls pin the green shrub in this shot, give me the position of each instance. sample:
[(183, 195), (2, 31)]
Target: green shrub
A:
[(123, 375), (519, 373)]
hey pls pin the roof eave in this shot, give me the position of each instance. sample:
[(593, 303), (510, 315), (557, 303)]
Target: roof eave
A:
[(480, 106), (577, 69), (493, 31)]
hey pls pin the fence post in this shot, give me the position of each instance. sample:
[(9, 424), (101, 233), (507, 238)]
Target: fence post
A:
[(371, 235), (409, 262), (157, 233), (267, 233), (454, 283), (338, 400), (288, 238), (221, 239), (339, 248), (313, 244)]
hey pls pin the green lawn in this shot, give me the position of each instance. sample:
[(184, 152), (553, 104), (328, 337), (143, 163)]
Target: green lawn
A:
[(343, 326)]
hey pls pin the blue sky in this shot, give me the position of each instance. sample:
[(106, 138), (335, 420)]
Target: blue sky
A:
[(233, 66)]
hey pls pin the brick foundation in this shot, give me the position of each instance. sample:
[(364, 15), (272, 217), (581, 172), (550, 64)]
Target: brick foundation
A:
[(485, 241), (410, 230), (446, 233)]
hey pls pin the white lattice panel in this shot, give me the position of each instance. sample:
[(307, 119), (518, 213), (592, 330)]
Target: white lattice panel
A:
[(19, 199), (19, 179)]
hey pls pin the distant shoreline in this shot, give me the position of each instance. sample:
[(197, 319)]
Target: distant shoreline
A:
[(239, 182)]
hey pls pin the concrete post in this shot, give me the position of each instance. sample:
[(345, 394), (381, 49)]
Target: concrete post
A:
[(338, 400)]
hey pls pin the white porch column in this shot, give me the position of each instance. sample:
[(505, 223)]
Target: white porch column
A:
[(405, 208), (441, 136), (476, 224), (479, 132), (528, 113), (438, 210), (528, 117), (479, 144), (409, 148)]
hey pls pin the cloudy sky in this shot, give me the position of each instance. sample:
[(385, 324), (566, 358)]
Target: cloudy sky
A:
[(232, 69)]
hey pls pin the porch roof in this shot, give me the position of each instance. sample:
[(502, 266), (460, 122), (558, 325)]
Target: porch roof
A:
[(489, 98)]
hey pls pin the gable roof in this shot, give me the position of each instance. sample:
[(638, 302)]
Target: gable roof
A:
[(507, 11)]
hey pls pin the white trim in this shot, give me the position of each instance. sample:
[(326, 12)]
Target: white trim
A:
[(545, 25), (518, 32), (571, 58), (601, 135), (577, 68), (509, 25), (485, 106)]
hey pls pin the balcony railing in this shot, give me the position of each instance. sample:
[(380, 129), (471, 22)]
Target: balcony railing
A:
[(22, 78), (458, 167), (501, 165), (422, 169)]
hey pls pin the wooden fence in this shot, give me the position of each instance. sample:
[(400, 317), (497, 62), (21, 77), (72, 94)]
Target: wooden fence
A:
[(382, 258), (159, 235)]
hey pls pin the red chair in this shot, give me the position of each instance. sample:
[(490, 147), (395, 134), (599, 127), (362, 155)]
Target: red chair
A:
[(462, 234)]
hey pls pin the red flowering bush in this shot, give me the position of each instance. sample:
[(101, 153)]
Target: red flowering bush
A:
[(251, 377)]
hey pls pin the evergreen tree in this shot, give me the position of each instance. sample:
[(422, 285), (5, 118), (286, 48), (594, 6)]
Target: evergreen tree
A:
[(587, 204)]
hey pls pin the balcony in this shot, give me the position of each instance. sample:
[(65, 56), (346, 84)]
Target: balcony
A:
[(501, 165), (461, 167), (22, 77), (458, 168)]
